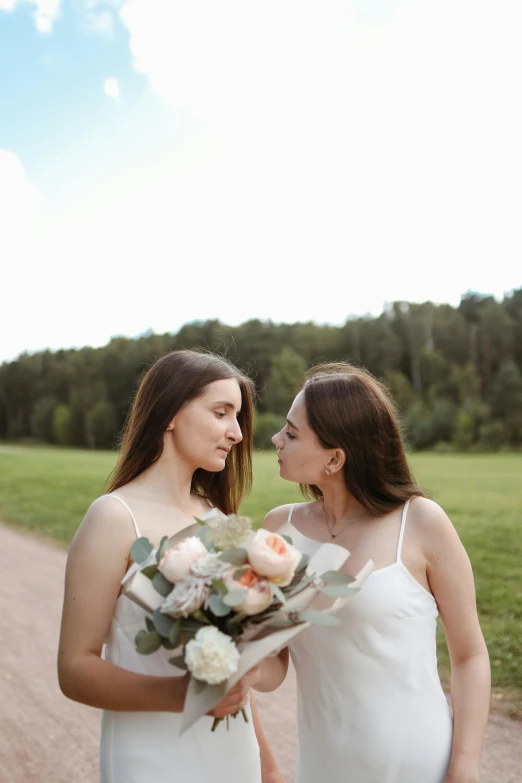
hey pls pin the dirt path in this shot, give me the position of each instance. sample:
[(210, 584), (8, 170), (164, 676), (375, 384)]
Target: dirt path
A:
[(47, 738)]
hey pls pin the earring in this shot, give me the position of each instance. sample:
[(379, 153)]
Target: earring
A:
[(327, 472)]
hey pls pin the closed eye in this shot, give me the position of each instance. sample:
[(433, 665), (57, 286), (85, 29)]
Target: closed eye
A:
[(289, 435)]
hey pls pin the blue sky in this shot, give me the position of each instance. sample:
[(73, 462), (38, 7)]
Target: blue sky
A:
[(162, 162)]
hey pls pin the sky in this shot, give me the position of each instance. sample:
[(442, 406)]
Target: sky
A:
[(164, 161)]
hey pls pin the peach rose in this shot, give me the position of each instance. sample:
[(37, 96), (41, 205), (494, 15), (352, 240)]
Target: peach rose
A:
[(271, 556), (259, 596), (178, 560)]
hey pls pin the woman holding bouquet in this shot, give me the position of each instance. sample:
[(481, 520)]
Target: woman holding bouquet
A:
[(371, 707), (186, 452)]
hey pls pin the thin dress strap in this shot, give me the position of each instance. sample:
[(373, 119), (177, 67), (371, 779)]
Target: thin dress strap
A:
[(403, 527), (291, 512), (136, 528)]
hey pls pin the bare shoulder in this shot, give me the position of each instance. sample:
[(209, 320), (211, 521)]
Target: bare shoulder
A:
[(277, 517), (432, 525), (106, 522)]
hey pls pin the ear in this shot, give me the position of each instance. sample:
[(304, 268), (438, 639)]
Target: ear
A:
[(337, 461)]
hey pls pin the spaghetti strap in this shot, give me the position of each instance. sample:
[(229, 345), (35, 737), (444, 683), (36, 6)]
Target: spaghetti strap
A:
[(136, 528), (403, 526), (291, 512)]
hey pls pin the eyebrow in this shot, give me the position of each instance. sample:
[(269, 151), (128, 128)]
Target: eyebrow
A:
[(226, 404), (292, 425)]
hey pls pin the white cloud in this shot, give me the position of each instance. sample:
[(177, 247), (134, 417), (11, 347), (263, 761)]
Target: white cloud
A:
[(45, 12), (347, 140), (111, 88)]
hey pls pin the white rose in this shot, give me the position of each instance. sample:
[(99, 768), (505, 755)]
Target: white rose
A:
[(271, 556), (178, 560), (211, 656), (188, 596)]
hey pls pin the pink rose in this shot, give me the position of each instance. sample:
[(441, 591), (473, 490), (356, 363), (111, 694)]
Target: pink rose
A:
[(271, 556), (178, 560), (259, 596)]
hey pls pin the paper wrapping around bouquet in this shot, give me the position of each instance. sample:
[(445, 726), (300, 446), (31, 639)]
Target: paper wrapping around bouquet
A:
[(329, 557)]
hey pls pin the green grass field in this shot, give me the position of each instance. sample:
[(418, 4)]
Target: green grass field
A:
[(47, 490)]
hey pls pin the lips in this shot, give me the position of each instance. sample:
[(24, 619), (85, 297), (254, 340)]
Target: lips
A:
[(222, 448)]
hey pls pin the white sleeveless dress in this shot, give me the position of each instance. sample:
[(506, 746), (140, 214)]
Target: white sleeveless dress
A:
[(145, 747), (371, 708)]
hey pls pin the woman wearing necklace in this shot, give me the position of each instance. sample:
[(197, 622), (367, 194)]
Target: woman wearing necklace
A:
[(371, 708)]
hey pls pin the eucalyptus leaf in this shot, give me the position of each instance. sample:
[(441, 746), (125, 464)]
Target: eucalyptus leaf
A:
[(164, 545), (179, 662), (236, 619), (149, 624), (175, 633), (318, 618), (205, 536), (167, 644), (337, 578), (201, 522), (219, 586), (140, 550), (201, 617), (217, 606), (339, 591), (278, 593), (235, 597), (239, 574), (162, 585), (148, 643), (150, 571), (300, 586), (190, 624), (163, 623), (288, 540), (139, 635), (303, 563), (236, 557)]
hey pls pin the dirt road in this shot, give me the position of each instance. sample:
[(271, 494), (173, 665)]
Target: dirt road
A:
[(46, 738)]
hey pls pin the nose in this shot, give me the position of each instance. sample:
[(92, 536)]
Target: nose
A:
[(234, 434), (278, 440)]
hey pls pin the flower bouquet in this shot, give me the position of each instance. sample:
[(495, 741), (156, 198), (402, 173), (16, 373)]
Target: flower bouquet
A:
[(223, 597)]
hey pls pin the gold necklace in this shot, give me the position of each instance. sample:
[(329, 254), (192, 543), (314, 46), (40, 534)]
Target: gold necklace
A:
[(350, 522)]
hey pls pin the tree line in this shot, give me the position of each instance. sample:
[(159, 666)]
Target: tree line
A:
[(455, 373)]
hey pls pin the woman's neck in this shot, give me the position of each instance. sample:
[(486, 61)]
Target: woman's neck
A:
[(339, 503), (168, 481)]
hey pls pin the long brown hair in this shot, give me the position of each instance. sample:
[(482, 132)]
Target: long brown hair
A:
[(172, 381), (349, 409)]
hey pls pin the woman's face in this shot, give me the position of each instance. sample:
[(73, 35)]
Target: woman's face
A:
[(206, 428), (302, 458)]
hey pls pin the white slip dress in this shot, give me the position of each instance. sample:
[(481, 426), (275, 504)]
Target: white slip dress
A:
[(371, 708), (146, 747)]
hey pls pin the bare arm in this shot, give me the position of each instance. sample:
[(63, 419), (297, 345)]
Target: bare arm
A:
[(269, 767), (451, 580), (97, 561)]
